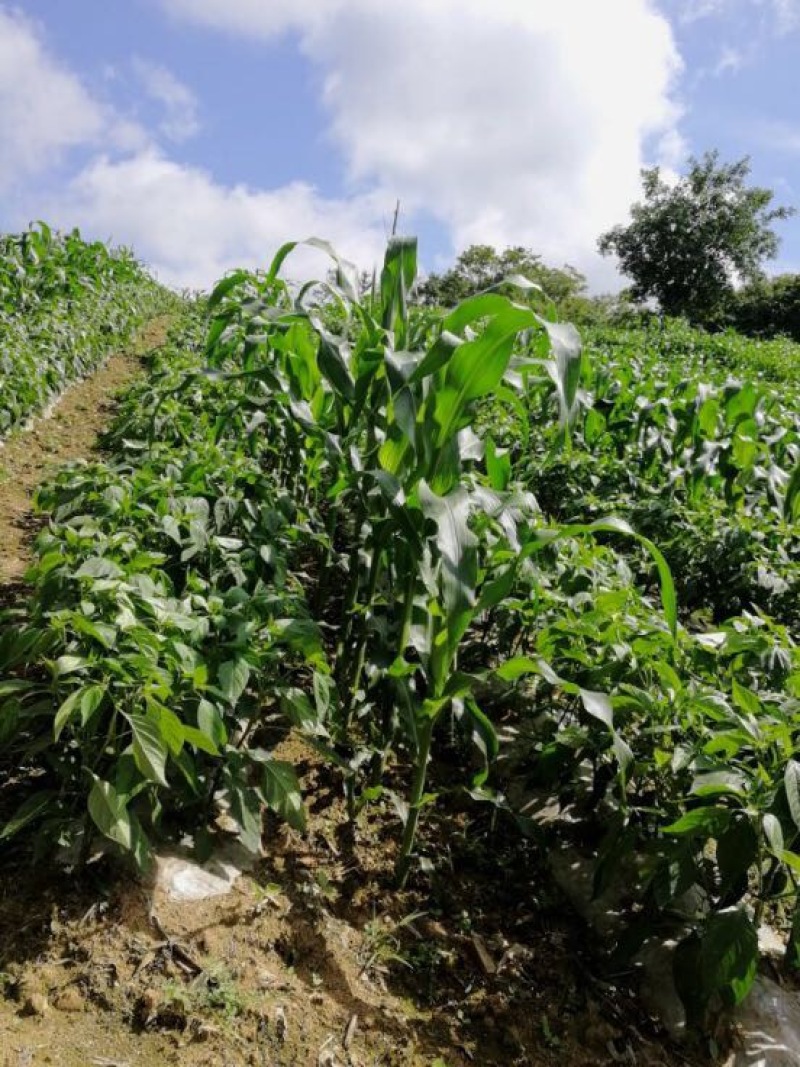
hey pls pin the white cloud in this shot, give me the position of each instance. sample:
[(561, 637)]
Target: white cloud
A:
[(254, 18), (671, 152), (786, 14), (180, 120), (44, 108), (519, 122), (46, 111), (515, 122), (782, 16), (730, 60), (191, 229), (692, 10)]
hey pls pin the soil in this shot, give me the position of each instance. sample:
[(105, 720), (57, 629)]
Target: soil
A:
[(314, 958)]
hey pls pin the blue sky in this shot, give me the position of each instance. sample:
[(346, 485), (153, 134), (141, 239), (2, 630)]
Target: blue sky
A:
[(206, 132)]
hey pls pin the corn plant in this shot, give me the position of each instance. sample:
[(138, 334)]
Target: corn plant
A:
[(331, 509), (366, 412), (63, 304)]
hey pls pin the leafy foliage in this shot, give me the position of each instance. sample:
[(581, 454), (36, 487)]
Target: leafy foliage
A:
[(688, 243), (398, 531), (63, 304), (768, 307), (481, 267)]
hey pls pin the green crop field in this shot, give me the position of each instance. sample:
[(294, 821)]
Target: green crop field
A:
[(63, 302), (474, 559)]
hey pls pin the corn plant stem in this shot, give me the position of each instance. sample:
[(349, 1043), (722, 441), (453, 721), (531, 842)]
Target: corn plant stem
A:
[(758, 911), (379, 759), (331, 529), (352, 591), (361, 647), (348, 607), (408, 612), (424, 737)]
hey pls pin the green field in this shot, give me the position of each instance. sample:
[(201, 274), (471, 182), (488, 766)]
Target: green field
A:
[(62, 302), (478, 562)]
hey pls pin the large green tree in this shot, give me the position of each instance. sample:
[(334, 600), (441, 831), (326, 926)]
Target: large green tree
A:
[(689, 243)]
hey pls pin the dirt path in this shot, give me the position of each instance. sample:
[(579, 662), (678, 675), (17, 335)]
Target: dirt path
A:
[(70, 432)]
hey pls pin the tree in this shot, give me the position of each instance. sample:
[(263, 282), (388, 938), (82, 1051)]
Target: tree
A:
[(481, 267), (769, 306), (688, 244)]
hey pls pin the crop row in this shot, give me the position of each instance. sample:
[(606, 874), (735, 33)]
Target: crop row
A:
[(63, 304), (332, 512), (682, 437)]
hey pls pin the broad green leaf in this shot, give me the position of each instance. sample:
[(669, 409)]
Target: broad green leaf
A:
[(773, 834), (475, 308), (565, 343), (397, 280), (438, 355), (347, 276), (149, 748), (791, 781), (84, 701), (477, 367), (791, 500), (170, 726), (226, 286), (334, 368), (498, 466), (598, 705), (211, 723), (15, 685), (719, 783), (745, 699), (102, 632), (110, 814), (282, 792), (707, 821), (69, 664), (729, 955), (91, 698), (518, 666), (99, 567), (68, 709), (233, 678), (198, 739), (457, 546), (483, 733)]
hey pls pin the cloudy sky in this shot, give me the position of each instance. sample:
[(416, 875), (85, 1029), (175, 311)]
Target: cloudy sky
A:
[(206, 132)]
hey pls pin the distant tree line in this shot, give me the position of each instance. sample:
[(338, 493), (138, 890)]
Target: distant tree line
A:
[(482, 267), (693, 248)]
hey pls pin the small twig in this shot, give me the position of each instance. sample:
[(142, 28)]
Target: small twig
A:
[(179, 952), (350, 1032)]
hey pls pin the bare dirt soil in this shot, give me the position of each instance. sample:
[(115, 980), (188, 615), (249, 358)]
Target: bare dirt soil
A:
[(315, 959)]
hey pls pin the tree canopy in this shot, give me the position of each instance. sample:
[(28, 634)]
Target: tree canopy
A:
[(689, 243), (481, 267)]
